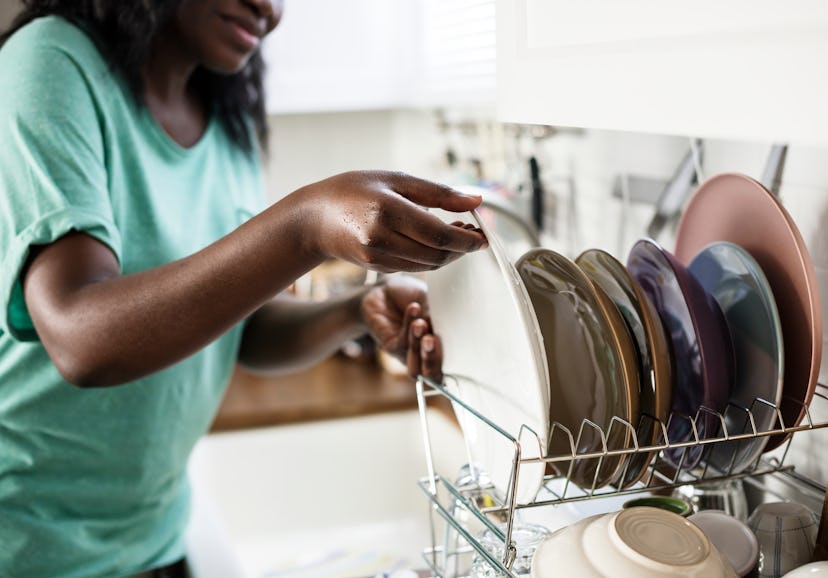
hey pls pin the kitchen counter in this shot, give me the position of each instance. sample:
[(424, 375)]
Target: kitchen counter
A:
[(336, 387)]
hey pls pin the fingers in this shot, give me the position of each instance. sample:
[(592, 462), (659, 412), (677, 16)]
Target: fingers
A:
[(430, 194), (416, 331), (428, 230), (404, 249), (411, 317), (431, 357), (425, 351)]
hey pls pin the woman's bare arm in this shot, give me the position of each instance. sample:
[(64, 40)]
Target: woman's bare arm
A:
[(102, 328)]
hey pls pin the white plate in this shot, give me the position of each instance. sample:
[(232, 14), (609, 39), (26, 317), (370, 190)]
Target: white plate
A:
[(493, 352), (739, 286)]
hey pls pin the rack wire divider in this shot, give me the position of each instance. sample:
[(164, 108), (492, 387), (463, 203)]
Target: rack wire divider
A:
[(660, 474)]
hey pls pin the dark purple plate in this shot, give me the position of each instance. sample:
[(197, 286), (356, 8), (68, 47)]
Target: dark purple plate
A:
[(701, 351)]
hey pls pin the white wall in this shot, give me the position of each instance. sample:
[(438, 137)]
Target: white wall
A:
[(310, 147)]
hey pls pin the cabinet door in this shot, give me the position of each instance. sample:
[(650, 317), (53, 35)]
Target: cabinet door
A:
[(329, 55), (742, 69), (457, 62)]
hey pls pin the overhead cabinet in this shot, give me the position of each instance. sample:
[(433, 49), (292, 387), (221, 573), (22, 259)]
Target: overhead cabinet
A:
[(741, 69), (329, 56)]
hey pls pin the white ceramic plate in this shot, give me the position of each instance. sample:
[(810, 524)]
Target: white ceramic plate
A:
[(737, 283), (494, 357)]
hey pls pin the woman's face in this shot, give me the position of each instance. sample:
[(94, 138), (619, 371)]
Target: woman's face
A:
[(223, 34)]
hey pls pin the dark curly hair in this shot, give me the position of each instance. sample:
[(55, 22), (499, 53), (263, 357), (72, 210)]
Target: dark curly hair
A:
[(124, 31)]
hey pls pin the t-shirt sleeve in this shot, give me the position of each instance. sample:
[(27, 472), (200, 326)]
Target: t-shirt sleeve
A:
[(53, 176)]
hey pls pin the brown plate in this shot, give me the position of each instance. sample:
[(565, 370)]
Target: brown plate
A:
[(654, 369), (593, 372), (737, 209)]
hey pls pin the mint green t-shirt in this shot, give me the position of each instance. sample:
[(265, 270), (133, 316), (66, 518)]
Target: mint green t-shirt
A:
[(93, 481)]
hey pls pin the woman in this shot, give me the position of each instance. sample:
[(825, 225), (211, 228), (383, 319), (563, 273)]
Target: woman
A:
[(137, 267)]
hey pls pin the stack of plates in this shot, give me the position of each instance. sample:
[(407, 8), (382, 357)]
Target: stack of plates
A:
[(578, 357)]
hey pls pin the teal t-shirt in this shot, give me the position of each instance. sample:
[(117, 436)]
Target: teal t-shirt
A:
[(93, 481)]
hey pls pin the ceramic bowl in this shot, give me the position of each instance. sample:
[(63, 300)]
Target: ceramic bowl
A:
[(675, 505), (786, 532), (633, 543), (812, 570), (733, 538)]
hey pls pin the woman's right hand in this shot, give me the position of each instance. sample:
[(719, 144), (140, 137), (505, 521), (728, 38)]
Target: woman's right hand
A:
[(378, 220)]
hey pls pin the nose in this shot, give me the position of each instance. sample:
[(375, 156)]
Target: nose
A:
[(269, 10)]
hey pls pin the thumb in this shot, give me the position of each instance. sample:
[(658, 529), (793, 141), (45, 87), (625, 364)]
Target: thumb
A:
[(431, 194)]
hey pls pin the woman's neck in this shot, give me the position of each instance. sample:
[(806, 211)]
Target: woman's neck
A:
[(168, 92)]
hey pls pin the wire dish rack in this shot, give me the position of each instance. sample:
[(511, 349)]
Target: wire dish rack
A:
[(456, 506)]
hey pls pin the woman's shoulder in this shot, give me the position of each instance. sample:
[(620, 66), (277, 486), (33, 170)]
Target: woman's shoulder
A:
[(51, 34)]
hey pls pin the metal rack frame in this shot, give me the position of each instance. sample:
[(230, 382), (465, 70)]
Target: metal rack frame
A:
[(658, 476)]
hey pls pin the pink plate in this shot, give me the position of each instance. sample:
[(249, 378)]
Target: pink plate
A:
[(735, 208)]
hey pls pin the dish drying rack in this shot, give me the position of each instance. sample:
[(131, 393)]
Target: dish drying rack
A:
[(458, 504)]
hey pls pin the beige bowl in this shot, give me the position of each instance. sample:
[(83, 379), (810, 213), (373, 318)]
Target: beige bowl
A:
[(635, 543)]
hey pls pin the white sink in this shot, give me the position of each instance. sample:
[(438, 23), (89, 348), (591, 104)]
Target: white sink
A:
[(330, 499)]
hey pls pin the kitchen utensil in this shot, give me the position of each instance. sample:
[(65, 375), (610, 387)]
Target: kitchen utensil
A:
[(786, 532), (731, 537), (493, 348), (537, 193), (677, 190), (675, 505), (525, 537), (654, 369), (737, 283), (701, 350), (592, 364), (735, 208), (774, 167), (725, 495), (632, 543)]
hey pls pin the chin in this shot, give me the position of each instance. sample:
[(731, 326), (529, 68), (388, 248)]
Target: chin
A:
[(226, 67)]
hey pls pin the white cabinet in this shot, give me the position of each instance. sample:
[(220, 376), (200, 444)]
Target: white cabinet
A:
[(329, 55), (741, 69), (457, 63)]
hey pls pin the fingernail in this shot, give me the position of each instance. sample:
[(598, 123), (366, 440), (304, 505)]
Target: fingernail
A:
[(427, 344), (414, 308), (418, 330), (470, 195)]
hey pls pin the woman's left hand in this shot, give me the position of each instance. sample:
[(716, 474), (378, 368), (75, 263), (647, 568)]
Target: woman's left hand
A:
[(396, 312)]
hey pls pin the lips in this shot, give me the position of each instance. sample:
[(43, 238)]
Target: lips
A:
[(246, 31)]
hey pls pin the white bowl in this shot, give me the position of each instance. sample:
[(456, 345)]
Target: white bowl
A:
[(635, 543), (732, 537), (812, 570)]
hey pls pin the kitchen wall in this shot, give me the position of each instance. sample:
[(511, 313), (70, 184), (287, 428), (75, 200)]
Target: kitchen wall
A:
[(309, 147), (8, 8), (581, 169)]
